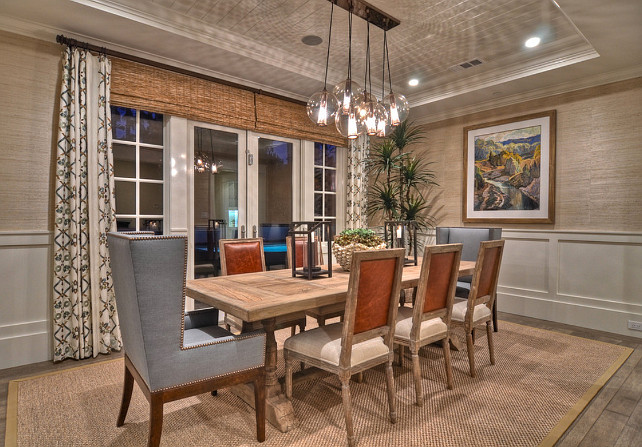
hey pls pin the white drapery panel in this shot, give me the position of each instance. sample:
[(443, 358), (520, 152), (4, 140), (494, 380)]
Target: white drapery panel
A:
[(357, 183), (85, 319)]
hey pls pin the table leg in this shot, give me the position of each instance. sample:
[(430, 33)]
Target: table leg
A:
[(278, 409)]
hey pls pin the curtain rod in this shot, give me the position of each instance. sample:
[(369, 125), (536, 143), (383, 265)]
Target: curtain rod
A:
[(62, 40)]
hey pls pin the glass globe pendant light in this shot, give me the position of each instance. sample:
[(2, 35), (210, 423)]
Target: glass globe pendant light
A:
[(348, 125), (396, 104), (322, 106)]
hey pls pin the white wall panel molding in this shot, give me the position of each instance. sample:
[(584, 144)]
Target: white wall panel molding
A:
[(25, 297), (583, 278)]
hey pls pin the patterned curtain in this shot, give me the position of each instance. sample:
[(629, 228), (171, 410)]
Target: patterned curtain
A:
[(357, 183), (85, 319)]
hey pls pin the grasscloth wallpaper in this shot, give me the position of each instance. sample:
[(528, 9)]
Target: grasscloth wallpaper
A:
[(599, 147), (29, 84), (598, 159)]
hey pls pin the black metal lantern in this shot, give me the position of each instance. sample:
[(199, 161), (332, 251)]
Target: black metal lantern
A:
[(402, 234), (305, 248), (216, 230)]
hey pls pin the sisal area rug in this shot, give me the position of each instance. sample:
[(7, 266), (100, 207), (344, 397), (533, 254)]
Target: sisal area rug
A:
[(541, 381)]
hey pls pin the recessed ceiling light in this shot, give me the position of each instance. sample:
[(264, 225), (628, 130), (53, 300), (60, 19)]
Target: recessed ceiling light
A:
[(532, 42), (311, 40), (413, 82)]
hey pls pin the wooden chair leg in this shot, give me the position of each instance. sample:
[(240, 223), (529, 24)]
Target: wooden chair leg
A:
[(292, 331), (347, 409), (449, 370), (259, 404), (155, 420), (392, 396), (491, 347), (358, 377), (288, 378), (128, 386), (320, 321), (471, 352), (416, 373)]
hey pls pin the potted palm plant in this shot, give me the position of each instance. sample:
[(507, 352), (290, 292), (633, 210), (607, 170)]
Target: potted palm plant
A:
[(349, 241), (402, 182)]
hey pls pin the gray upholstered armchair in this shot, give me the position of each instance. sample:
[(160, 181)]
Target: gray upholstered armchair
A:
[(471, 237), (172, 356)]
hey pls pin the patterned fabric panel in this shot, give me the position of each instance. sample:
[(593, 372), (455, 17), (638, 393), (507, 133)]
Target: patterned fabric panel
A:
[(357, 183), (85, 322), (373, 299), (441, 267), (243, 257)]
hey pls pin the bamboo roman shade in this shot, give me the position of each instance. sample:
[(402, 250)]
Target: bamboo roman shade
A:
[(150, 88)]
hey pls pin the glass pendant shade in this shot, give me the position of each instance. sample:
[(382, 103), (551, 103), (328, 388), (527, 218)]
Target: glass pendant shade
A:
[(348, 125), (374, 115), (397, 108), (346, 93), (322, 107)]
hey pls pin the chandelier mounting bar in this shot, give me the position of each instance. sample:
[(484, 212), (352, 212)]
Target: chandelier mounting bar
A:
[(368, 13)]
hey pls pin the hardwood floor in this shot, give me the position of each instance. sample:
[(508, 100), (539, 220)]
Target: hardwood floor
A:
[(612, 419)]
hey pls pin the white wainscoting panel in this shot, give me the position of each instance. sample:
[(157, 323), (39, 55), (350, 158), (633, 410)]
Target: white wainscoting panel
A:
[(25, 297), (587, 279)]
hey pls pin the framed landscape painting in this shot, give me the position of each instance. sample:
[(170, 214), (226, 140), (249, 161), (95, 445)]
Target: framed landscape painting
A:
[(509, 170)]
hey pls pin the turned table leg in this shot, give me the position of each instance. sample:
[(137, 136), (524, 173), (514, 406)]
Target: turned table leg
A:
[(278, 409)]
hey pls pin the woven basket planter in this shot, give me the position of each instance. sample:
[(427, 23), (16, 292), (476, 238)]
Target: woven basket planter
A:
[(343, 253)]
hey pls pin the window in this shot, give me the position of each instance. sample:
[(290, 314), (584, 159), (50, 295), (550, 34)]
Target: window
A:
[(325, 183), (137, 144)]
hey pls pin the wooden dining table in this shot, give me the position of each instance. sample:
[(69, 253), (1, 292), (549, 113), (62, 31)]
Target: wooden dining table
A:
[(264, 296)]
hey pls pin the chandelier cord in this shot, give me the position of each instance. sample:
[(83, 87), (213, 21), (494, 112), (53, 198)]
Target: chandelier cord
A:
[(350, 44), (388, 59), (383, 67), (327, 58), (367, 68)]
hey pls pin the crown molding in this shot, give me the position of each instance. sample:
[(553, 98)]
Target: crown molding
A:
[(48, 33), (565, 87), (502, 75)]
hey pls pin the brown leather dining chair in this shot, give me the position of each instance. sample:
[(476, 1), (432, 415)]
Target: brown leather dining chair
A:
[(321, 314), (476, 310), (365, 337), (240, 256), (428, 321)]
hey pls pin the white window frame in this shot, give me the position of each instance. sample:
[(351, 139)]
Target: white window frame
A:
[(138, 181)]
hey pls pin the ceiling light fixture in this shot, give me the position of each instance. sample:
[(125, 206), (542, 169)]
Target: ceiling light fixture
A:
[(413, 82), (532, 42), (354, 110)]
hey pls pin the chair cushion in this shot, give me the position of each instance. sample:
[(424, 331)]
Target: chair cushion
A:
[(324, 343), (459, 311), (429, 328), (203, 335)]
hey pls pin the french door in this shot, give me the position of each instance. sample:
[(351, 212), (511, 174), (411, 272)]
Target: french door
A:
[(243, 185)]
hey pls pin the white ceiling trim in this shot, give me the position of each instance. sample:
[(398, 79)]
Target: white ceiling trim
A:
[(566, 87), (48, 33), (503, 75)]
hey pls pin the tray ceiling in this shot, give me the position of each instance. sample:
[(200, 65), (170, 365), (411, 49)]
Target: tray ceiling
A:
[(259, 42)]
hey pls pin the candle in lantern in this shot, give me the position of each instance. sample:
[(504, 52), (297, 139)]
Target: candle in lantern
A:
[(399, 232)]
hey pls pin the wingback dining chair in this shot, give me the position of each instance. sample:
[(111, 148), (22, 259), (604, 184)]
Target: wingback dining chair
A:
[(470, 237), (170, 354), (240, 256), (321, 314), (428, 321), (365, 337), (476, 310)]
